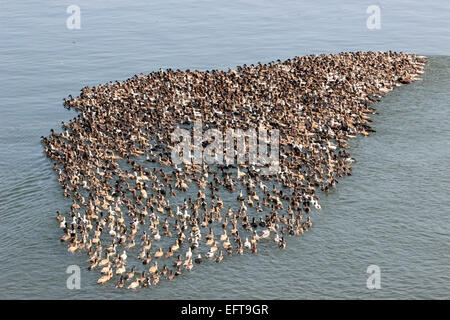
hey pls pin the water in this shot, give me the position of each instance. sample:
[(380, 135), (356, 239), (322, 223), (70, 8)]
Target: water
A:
[(392, 212)]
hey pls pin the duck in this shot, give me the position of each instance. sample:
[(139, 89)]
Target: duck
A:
[(265, 234), (199, 259), (59, 217), (73, 247), (98, 154), (63, 223), (176, 246), (224, 236), (282, 243), (226, 243), (135, 284), (210, 242), (189, 253), (105, 278), (121, 269), (153, 269), (219, 257), (169, 253), (147, 259), (120, 283), (123, 256), (106, 270), (276, 238), (66, 237), (240, 197), (131, 244), (159, 253), (105, 261), (240, 174), (247, 243), (209, 254), (214, 247), (189, 265), (250, 201), (178, 262)]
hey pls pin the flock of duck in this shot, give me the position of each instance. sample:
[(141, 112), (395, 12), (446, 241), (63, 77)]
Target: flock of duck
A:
[(141, 219)]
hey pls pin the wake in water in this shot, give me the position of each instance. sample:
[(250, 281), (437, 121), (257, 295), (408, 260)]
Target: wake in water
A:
[(142, 196)]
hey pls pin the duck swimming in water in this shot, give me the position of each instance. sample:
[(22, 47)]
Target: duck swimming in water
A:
[(199, 259)]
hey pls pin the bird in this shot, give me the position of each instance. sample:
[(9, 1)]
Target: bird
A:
[(199, 259)]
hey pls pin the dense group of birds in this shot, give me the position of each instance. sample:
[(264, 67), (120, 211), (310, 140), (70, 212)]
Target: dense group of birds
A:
[(142, 219)]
